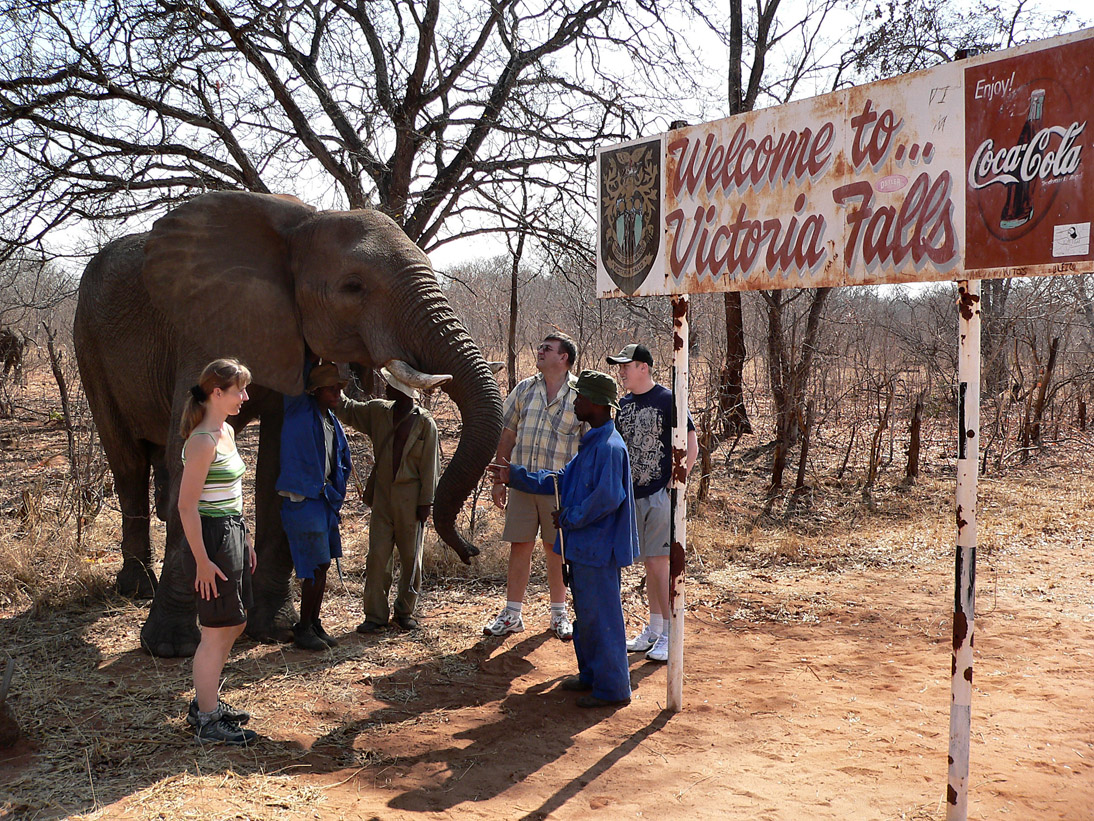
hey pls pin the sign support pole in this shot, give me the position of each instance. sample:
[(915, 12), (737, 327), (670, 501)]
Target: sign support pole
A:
[(964, 607), (677, 487)]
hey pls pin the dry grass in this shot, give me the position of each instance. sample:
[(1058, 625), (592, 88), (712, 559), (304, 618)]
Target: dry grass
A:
[(121, 732)]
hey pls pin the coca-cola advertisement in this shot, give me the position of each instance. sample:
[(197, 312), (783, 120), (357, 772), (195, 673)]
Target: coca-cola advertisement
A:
[(1028, 154)]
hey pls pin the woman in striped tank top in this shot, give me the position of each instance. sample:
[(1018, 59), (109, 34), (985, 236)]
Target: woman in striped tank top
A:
[(221, 558)]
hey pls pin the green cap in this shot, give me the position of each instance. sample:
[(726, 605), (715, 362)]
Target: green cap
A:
[(598, 388)]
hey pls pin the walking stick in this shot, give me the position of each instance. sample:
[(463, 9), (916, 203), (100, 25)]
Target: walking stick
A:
[(561, 537), (416, 571)]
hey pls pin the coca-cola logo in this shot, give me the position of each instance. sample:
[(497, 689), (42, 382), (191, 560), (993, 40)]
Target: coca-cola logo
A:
[(1036, 159)]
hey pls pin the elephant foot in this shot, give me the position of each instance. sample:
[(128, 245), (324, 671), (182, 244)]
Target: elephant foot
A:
[(135, 581), (170, 635), (272, 624)]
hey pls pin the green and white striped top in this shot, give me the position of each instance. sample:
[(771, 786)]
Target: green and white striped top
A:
[(222, 494)]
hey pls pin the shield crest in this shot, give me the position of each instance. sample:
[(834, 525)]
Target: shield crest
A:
[(630, 213)]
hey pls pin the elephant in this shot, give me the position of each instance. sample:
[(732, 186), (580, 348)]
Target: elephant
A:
[(271, 281), (13, 346)]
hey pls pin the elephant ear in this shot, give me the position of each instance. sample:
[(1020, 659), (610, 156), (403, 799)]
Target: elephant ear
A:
[(218, 267)]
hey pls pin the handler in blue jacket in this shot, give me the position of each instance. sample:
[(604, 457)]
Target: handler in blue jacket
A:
[(597, 536), (315, 463)]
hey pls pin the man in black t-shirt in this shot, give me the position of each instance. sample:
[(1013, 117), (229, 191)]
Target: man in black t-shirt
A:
[(645, 423)]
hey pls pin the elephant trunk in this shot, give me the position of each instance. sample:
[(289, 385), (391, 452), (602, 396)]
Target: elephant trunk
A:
[(442, 345)]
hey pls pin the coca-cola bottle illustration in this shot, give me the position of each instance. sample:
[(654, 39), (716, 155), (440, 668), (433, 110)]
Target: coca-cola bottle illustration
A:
[(1018, 209)]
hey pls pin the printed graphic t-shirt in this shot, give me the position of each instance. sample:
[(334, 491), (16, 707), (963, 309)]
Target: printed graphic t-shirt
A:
[(645, 423)]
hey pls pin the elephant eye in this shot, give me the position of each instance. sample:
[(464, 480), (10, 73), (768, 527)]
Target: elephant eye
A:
[(352, 286)]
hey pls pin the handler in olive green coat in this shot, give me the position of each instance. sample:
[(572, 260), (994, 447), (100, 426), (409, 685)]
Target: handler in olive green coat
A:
[(404, 441)]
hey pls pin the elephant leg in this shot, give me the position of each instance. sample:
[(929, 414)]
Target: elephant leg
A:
[(272, 617), (136, 579), (160, 480), (171, 628)]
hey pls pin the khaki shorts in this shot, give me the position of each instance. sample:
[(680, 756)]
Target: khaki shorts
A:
[(654, 516), (527, 514)]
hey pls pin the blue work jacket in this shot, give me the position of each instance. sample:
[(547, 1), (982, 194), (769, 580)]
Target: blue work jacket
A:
[(597, 499), (303, 452)]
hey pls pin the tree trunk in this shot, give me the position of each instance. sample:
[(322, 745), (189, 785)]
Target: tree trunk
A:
[(799, 485), (911, 472), (511, 357), (706, 450), (789, 379), (1042, 391), (731, 400), (875, 443)]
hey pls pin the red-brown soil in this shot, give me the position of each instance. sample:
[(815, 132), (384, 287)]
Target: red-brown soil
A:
[(816, 685)]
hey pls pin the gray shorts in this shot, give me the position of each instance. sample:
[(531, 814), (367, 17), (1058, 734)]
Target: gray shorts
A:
[(654, 515), (527, 514)]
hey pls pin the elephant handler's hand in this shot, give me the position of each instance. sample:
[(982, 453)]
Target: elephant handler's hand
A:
[(252, 556), (206, 582)]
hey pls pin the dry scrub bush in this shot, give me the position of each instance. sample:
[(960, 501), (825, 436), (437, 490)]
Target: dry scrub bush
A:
[(43, 565)]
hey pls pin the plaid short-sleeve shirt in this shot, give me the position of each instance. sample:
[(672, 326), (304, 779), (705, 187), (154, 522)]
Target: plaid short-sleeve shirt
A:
[(548, 433)]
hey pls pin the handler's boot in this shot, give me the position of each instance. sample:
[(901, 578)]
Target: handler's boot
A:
[(305, 637), (324, 637)]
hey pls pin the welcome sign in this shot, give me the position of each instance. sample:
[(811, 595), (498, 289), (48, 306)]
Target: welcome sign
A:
[(973, 169)]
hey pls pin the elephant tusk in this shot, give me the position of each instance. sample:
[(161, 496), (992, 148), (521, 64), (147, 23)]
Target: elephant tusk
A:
[(415, 378), (495, 366)]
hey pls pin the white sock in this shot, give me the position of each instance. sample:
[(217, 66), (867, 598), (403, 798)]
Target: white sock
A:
[(558, 609), (513, 607), (657, 623)]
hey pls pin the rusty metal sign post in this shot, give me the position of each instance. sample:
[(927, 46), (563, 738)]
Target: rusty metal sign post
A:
[(970, 170), (674, 700), (964, 604)]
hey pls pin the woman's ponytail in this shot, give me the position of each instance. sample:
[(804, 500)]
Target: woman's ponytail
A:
[(220, 373)]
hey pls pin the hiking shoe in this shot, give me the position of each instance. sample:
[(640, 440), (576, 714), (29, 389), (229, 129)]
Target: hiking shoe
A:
[(506, 622), (660, 651), (227, 712), (219, 731), (324, 637), (305, 637), (368, 626), (643, 641), (562, 626)]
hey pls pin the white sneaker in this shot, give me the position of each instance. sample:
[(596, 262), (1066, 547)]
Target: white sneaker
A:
[(643, 641), (660, 651), (506, 622), (562, 626)]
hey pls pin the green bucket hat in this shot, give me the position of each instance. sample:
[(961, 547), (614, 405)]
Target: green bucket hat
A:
[(598, 388)]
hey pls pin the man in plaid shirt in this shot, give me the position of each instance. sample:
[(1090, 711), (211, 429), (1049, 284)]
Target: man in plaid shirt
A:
[(540, 432)]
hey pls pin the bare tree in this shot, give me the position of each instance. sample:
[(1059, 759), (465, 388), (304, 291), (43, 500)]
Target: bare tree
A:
[(900, 36), (427, 111)]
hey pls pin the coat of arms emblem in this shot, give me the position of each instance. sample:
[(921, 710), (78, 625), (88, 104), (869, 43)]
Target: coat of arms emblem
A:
[(630, 217)]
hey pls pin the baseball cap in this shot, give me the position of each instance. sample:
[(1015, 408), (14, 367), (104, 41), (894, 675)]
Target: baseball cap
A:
[(632, 353)]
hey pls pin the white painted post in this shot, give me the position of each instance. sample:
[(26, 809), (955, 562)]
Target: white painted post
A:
[(968, 452), (677, 485)]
